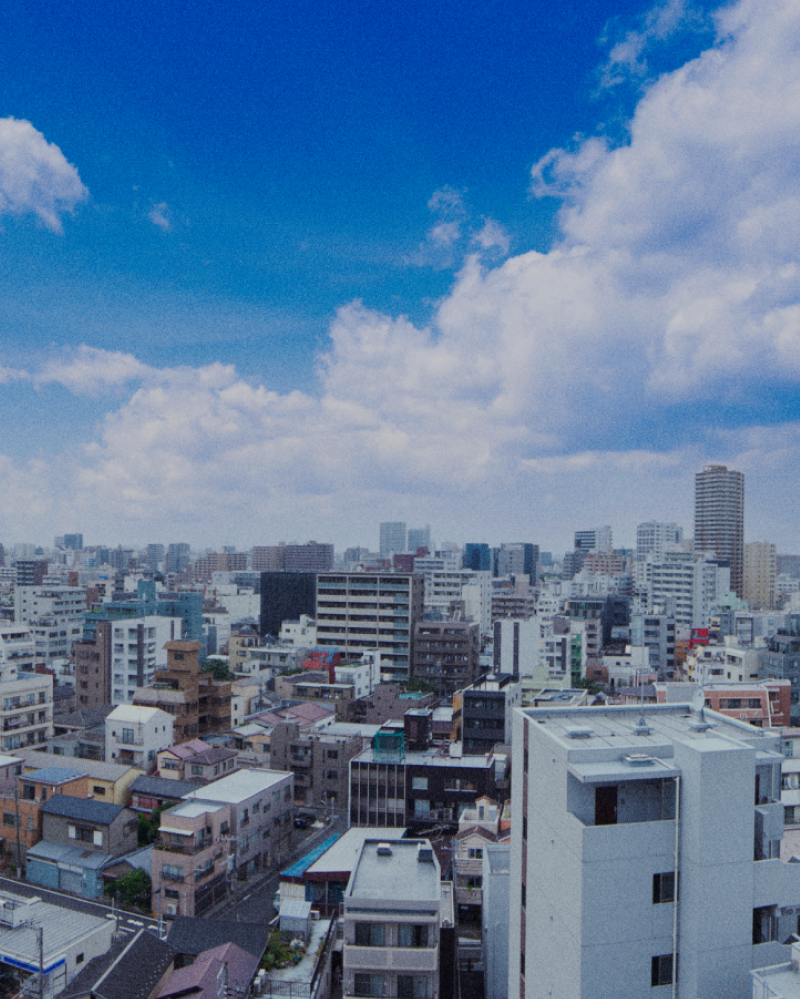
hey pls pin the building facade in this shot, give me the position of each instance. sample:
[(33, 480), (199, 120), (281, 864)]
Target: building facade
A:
[(645, 854), (719, 518), (357, 612)]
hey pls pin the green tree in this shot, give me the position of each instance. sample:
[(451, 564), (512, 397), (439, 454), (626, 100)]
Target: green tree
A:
[(147, 829), (219, 668), (133, 889)]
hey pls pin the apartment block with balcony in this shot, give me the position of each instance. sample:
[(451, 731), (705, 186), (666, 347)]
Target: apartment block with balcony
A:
[(357, 612), (17, 651), (135, 734), (399, 937), (26, 712), (320, 762), (447, 654), (645, 853), (190, 858), (261, 805)]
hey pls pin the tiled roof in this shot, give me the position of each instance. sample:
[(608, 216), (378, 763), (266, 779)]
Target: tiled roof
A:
[(86, 809), (188, 749), (132, 968), (193, 935), (160, 788), (200, 978)]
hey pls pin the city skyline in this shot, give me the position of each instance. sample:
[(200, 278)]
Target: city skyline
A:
[(273, 274)]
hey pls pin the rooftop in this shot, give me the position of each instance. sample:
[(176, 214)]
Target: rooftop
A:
[(618, 727), (342, 855), (391, 871), (90, 810), (102, 770), (132, 713), (240, 785), (55, 775)]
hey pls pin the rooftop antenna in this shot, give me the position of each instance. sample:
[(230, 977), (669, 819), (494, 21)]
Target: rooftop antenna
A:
[(698, 702)]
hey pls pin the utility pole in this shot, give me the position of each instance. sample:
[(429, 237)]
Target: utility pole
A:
[(16, 823), (40, 936)]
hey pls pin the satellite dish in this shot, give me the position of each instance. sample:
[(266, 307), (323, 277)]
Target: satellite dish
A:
[(698, 701)]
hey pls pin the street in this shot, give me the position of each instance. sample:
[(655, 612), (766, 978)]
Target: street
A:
[(255, 898)]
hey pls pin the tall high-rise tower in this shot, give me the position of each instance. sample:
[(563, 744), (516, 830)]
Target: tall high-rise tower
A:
[(719, 517)]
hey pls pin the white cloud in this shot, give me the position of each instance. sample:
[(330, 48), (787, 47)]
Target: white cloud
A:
[(35, 176), (159, 215), (556, 386), (628, 58), (89, 370)]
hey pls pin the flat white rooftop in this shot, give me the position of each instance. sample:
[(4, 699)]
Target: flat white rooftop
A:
[(394, 876), (240, 785)]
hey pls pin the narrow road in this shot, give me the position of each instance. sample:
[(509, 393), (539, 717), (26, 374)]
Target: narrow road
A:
[(255, 898)]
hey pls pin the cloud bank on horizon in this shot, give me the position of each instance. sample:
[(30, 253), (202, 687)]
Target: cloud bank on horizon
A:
[(581, 385)]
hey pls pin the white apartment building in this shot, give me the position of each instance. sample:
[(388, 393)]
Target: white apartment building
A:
[(302, 632), (137, 651), (395, 910), (656, 537), (26, 712), (54, 616), (728, 662), (494, 941), (363, 674), (17, 651), (691, 583), (135, 734), (645, 854)]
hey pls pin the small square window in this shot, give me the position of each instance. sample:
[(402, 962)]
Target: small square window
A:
[(661, 970), (664, 887)]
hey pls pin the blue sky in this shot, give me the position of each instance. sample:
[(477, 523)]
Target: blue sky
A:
[(283, 273)]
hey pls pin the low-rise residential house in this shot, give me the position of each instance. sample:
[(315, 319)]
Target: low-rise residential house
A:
[(135, 734), (399, 937), (89, 824), (107, 782), (80, 838), (136, 966), (23, 797), (195, 759), (149, 792), (478, 827), (225, 968)]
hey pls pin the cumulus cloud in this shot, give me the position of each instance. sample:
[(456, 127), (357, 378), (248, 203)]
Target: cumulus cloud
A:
[(35, 175), (603, 371)]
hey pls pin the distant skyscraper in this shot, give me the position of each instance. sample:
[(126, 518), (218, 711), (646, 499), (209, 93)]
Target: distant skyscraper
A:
[(477, 556), (719, 518), (73, 541), (759, 574), (155, 555), (393, 537), (595, 539), (419, 538), (178, 555)]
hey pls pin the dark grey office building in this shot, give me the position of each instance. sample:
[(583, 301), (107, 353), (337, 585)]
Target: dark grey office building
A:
[(286, 595)]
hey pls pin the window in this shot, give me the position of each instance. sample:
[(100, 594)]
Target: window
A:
[(368, 984), (661, 970), (127, 736), (333, 755), (9, 819), (197, 769), (332, 775), (370, 935), (412, 986), (473, 853), (72, 833), (419, 784), (664, 887), (98, 790), (172, 894), (412, 936), (97, 838), (79, 958)]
